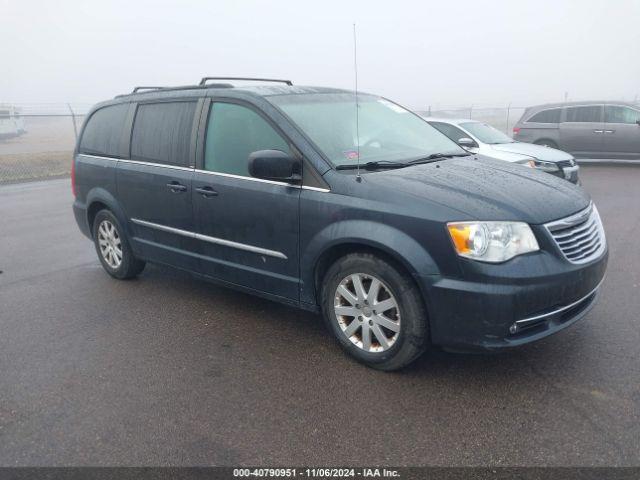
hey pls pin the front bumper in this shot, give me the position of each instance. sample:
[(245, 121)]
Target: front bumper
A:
[(569, 173), (501, 306)]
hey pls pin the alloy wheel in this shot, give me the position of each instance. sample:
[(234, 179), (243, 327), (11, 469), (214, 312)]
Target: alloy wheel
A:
[(110, 244), (367, 312)]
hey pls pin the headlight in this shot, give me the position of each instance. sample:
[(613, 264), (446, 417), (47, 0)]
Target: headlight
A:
[(540, 165), (492, 242)]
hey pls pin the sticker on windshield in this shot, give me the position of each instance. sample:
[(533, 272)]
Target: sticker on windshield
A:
[(350, 154), (392, 106)]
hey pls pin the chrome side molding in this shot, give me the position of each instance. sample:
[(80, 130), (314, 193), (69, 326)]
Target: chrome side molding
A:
[(206, 238)]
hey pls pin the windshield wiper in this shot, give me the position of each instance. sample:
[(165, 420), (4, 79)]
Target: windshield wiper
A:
[(434, 157), (372, 165)]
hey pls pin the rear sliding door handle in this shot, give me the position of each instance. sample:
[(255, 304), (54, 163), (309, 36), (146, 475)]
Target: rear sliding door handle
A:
[(207, 192), (176, 187), (609, 131), (597, 131)]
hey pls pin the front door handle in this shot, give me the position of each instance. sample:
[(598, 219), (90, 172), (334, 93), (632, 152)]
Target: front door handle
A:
[(207, 192), (176, 187), (597, 131), (609, 131)]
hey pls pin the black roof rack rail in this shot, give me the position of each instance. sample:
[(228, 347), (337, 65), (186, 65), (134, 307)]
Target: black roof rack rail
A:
[(137, 89), (184, 87), (205, 79)]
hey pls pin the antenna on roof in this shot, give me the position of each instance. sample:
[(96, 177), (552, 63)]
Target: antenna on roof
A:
[(355, 68)]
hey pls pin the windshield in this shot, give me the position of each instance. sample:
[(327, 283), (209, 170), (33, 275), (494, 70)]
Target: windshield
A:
[(387, 131), (486, 133)]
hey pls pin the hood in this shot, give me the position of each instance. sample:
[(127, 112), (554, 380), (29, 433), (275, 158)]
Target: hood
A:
[(479, 188), (536, 151), (488, 151)]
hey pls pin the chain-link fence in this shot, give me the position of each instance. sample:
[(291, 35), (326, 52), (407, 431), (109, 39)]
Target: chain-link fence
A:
[(501, 117), (37, 140)]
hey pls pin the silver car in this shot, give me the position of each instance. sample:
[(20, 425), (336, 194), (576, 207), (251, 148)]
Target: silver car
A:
[(478, 137), (602, 129)]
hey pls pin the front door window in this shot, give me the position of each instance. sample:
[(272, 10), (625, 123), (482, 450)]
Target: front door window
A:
[(234, 132)]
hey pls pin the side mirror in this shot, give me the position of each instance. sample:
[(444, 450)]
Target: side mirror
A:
[(467, 142), (275, 165), (638, 121)]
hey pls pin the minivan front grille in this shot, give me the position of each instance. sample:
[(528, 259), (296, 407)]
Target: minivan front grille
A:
[(579, 237)]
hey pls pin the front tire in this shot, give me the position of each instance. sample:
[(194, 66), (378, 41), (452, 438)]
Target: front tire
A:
[(113, 247), (375, 312)]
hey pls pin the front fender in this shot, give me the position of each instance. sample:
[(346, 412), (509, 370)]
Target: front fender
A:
[(395, 243)]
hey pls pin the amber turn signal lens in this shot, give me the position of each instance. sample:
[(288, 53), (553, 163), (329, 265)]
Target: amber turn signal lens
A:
[(461, 235)]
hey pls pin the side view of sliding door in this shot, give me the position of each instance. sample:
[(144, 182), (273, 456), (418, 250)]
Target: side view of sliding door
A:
[(154, 183)]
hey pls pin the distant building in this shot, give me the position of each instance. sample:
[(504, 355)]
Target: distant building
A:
[(11, 121)]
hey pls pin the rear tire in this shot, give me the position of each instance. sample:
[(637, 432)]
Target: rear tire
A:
[(112, 246), (375, 312), (546, 143)]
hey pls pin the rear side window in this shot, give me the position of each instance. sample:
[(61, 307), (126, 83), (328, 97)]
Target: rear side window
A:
[(619, 114), (103, 133), (454, 133), (592, 113), (546, 116), (162, 132), (235, 131)]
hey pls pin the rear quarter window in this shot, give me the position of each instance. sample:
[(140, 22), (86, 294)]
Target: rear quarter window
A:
[(103, 133), (162, 132), (546, 116)]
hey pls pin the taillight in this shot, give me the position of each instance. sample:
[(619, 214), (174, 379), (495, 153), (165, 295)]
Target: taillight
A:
[(73, 176), (516, 130)]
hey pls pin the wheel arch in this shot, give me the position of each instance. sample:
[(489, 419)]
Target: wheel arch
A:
[(100, 199), (334, 253), (390, 244)]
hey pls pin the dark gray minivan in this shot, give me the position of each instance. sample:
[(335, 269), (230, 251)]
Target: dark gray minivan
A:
[(400, 238), (608, 130)]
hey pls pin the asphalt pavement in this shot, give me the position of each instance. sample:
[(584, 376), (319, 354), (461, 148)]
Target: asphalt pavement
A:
[(170, 370)]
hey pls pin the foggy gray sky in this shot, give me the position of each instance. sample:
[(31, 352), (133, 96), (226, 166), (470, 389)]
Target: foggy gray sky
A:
[(418, 53)]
